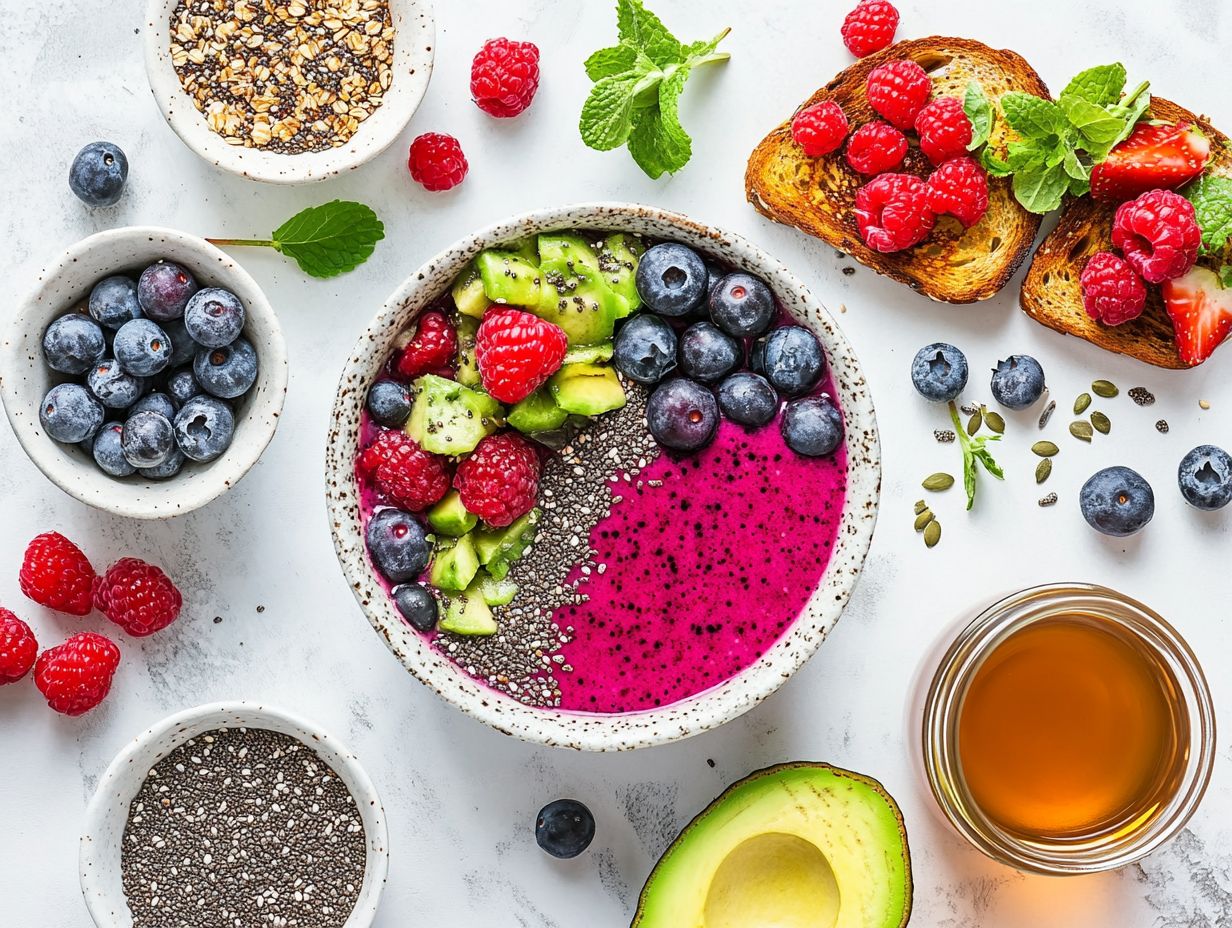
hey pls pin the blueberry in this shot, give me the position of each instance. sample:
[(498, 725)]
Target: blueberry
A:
[(227, 372), (70, 413), (682, 415), (742, 305), (1205, 477), (1018, 381), (98, 173), (204, 428), (1117, 501), (707, 354), (645, 349), (113, 301), (792, 360), (671, 279), (748, 398), (939, 372), (114, 387), (108, 453), (397, 544), (142, 348), (73, 344), (167, 469), (389, 403), (148, 439), (812, 426), (164, 290), (564, 828), (417, 605), (757, 355), (182, 386), (154, 402), (214, 317), (183, 348)]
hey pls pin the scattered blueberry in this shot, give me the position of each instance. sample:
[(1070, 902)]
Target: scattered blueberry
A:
[(183, 348), (748, 398), (742, 305), (214, 317), (164, 290), (204, 428), (757, 355), (564, 828), (73, 344), (142, 348), (148, 439), (1117, 501), (812, 426), (645, 349), (1018, 381), (182, 386), (113, 386), (1205, 477), (113, 301), (160, 403), (167, 469), (70, 413), (389, 403), (98, 173), (671, 279), (229, 371), (417, 605), (397, 544), (682, 415), (792, 360), (108, 453), (707, 354), (939, 372)]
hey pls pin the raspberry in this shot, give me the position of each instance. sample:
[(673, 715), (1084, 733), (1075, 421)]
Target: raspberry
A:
[(138, 597), (820, 129), (892, 212), (76, 676), (959, 187), (944, 129), (1158, 234), (1112, 291), (499, 480), (876, 147), (402, 472), (898, 91), (505, 76), (437, 162), (517, 352), (869, 27), (57, 575), (18, 649), (432, 347)]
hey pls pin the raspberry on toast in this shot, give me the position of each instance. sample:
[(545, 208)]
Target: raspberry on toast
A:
[(817, 195)]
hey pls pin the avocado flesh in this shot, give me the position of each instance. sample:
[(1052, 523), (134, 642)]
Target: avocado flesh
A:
[(450, 517), (537, 413), (509, 278), (587, 389), (794, 846), (468, 367), (589, 353), (499, 548), (454, 567), (448, 418), (497, 592), (618, 263), (467, 613), (468, 295), (573, 294)]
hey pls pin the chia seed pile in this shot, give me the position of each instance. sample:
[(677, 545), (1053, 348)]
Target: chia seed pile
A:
[(239, 828)]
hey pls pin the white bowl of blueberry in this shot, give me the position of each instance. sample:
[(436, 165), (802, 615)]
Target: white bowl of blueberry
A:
[(145, 373)]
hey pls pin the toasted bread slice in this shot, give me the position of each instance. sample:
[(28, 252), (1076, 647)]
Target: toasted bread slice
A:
[(817, 195), (1052, 293)]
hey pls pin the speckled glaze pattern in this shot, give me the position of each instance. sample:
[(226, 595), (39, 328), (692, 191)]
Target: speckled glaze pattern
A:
[(107, 813), (680, 720), (414, 52), (25, 379)]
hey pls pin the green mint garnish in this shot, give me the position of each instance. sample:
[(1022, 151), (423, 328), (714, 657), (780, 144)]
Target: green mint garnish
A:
[(635, 100), (973, 452), (325, 240), (1211, 196), (979, 110)]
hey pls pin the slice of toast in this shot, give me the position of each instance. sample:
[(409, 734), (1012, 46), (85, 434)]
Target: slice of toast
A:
[(817, 195), (1052, 293)]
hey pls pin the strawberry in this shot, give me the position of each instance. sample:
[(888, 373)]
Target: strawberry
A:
[(1201, 311), (1152, 158)]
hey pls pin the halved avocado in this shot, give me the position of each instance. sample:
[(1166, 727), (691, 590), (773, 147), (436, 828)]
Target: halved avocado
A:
[(795, 846)]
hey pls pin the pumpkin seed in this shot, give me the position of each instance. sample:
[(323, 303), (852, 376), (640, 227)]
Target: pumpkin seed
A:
[(932, 533), (1045, 449), (922, 520), (1105, 388), (1042, 470), (1081, 430), (995, 422), (1047, 413), (1102, 423), (938, 482), (1081, 404), (974, 423), (920, 506)]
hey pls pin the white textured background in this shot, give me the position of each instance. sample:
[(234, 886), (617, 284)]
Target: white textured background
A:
[(461, 799)]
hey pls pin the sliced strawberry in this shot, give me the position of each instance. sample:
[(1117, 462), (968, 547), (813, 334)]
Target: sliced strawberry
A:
[(1163, 157), (1201, 311)]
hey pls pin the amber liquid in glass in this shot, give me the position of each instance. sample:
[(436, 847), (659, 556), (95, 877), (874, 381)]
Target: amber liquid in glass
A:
[(1072, 729)]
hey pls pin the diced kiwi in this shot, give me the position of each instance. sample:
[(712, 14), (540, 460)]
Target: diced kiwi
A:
[(587, 389), (450, 517)]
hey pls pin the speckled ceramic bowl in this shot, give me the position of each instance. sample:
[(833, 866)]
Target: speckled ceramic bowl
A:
[(107, 813), (25, 379), (414, 47), (672, 722)]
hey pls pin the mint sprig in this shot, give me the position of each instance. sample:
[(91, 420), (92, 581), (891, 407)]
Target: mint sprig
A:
[(974, 452), (325, 240), (1211, 196), (638, 83)]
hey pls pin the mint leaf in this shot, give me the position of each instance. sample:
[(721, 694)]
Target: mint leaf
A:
[(607, 114), (659, 144), (974, 451), (994, 164), (1040, 188), (1211, 196), (608, 62), (1131, 109), (1225, 276), (1032, 117), (330, 239), (1100, 85), (1094, 123), (979, 110), (641, 29)]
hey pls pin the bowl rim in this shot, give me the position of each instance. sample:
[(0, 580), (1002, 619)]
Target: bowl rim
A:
[(123, 769), (223, 473), (182, 115), (676, 721)]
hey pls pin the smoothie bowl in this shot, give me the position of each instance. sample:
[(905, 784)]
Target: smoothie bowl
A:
[(603, 477)]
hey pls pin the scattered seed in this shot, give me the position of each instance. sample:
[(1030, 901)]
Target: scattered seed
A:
[(1081, 430), (945, 436), (1142, 396), (922, 520), (974, 423), (932, 533), (1105, 388), (995, 422), (1042, 470), (1162, 426), (1204, 404), (1048, 500), (938, 482), (970, 409), (1045, 449), (920, 506), (1102, 423), (1047, 413), (1081, 404)]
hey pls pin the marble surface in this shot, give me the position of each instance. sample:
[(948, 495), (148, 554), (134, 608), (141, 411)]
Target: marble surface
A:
[(268, 616)]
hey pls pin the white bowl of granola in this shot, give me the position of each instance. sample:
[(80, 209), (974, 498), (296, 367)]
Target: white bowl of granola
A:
[(300, 94)]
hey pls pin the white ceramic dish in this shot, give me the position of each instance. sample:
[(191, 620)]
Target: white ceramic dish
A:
[(25, 379), (679, 720), (107, 812), (414, 49)]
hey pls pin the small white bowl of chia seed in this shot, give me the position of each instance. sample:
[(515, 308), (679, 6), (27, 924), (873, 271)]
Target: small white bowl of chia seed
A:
[(230, 813)]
